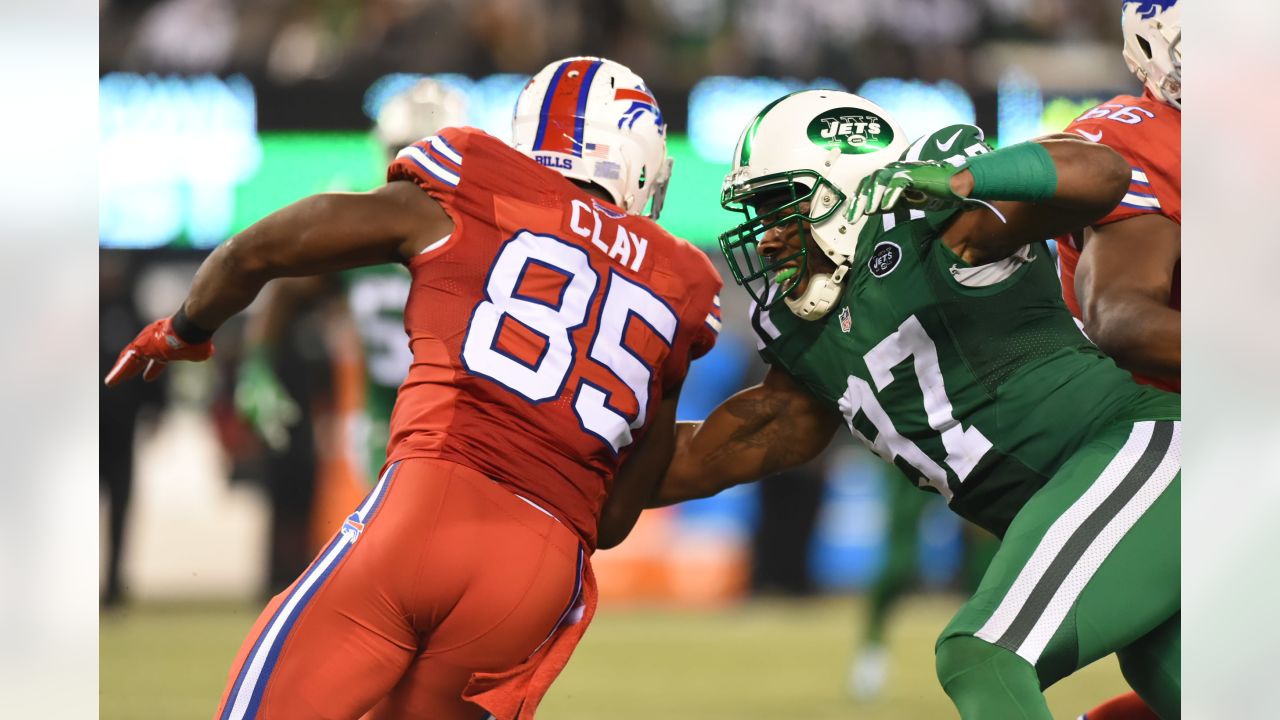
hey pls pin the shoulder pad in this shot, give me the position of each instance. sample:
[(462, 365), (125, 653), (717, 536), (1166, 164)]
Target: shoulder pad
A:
[(954, 145)]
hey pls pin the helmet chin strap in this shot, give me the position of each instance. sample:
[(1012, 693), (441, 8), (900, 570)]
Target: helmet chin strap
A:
[(821, 295), (824, 288)]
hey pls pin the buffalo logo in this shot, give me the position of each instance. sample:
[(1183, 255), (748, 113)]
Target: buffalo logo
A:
[(853, 131), (884, 259), (641, 102), (1148, 9), (846, 320)]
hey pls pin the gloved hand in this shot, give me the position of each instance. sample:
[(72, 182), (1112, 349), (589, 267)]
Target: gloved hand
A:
[(924, 185), (156, 346), (262, 400)]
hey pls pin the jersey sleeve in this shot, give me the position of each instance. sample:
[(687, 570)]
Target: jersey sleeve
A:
[(435, 163), (1141, 198), (701, 317)]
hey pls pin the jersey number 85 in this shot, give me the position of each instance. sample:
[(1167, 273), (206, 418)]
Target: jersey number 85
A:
[(555, 322)]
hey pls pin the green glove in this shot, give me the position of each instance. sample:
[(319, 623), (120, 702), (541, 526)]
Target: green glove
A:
[(924, 185), (263, 401)]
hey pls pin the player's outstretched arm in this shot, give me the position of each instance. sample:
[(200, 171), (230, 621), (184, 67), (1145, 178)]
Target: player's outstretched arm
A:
[(761, 430), (1041, 189), (318, 234), (1124, 280)]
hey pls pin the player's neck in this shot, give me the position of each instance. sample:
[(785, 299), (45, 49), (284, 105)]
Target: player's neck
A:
[(593, 190)]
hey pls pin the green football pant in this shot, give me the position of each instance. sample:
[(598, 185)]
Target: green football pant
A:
[(1089, 567)]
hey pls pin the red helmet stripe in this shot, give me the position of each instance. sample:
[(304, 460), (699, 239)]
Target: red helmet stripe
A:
[(560, 123)]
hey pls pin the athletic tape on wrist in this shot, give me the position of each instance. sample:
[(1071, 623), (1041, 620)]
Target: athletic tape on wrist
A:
[(1022, 172), (187, 331)]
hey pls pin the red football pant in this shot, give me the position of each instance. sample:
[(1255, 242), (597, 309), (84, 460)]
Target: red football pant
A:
[(1125, 707), (440, 573)]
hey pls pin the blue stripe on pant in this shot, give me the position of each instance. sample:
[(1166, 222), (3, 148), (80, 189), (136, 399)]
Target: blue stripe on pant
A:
[(246, 695)]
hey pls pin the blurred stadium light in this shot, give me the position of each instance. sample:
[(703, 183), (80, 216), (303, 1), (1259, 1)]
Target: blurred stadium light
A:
[(183, 164), (720, 106), (172, 151)]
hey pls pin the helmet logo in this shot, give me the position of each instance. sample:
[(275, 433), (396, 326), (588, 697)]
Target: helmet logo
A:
[(1148, 9), (641, 102), (853, 131)]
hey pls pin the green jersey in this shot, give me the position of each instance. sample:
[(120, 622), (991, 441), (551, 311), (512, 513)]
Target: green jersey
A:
[(377, 295), (975, 381)]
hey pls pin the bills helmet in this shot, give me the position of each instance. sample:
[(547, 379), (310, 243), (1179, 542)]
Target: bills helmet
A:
[(1152, 46), (801, 159), (595, 121)]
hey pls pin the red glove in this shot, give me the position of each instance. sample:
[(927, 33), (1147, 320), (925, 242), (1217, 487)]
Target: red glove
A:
[(154, 347)]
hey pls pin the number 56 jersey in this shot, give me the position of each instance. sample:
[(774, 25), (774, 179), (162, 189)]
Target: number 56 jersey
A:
[(545, 329)]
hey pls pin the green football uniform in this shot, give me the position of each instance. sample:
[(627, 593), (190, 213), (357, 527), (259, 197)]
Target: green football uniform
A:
[(977, 383), (377, 296)]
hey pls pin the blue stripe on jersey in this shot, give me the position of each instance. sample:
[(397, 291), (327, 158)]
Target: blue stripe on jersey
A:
[(546, 105), (1147, 208), (443, 147), (433, 168), (246, 694)]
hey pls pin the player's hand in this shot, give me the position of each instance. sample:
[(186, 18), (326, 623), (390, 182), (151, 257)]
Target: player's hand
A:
[(922, 185), (263, 401), (154, 348)]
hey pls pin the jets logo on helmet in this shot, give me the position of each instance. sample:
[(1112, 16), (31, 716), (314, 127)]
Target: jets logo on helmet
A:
[(1153, 46), (593, 120), (800, 161), (852, 131)]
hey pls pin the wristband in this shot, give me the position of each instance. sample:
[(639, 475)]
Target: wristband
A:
[(187, 331), (1019, 172)]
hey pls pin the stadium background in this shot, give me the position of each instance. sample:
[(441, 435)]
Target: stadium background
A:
[(215, 112)]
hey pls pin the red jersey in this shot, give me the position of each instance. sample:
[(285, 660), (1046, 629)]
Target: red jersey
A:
[(544, 329), (1148, 133)]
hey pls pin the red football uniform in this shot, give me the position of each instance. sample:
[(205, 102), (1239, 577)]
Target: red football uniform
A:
[(1148, 133), (545, 330)]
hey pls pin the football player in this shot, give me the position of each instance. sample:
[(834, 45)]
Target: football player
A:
[(916, 304), (1122, 275), (551, 325)]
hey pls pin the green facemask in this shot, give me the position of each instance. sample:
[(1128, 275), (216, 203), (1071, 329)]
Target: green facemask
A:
[(764, 279)]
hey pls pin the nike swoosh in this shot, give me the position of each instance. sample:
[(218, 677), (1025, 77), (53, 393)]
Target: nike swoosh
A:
[(944, 147), (1090, 136)]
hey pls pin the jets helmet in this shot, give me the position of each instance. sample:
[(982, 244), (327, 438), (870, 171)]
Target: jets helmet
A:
[(423, 109), (1153, 46), (801, 159), (595, 121)]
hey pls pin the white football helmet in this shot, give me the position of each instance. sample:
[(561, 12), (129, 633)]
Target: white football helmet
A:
[(595, 121), (815, 146), (1153, 46), (424, 109)]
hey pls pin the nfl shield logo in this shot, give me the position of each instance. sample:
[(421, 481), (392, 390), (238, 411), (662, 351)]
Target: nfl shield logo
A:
[(846, 322)]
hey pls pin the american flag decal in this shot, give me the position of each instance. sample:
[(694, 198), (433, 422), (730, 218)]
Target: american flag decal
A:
[(596, 150)]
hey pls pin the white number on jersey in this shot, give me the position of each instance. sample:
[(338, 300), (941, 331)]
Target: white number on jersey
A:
[(965, 447), (377, 303), (624, 301), (1127, 114)]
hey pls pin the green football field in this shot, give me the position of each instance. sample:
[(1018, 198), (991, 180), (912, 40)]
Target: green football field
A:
[(764, 659)]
